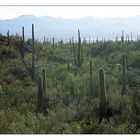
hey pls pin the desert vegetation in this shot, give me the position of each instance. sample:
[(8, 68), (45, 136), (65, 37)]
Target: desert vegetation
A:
[(76, 87)]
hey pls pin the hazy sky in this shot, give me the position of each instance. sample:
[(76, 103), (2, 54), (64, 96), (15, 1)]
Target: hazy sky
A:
[(69, 12)]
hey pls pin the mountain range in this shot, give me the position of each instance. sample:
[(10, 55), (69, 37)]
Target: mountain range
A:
[(66, 28)]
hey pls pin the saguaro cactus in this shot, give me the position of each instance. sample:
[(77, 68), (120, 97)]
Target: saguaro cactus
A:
[(91, 68), (44, 40), (80, 51), (44, 80), (23, 41), (124, 74), (53, 43), (91, 86), (103, 101), (122, 37), (78, 57), (8, 38), (40, 94), (74, 53), (131, 36), (33, 54)]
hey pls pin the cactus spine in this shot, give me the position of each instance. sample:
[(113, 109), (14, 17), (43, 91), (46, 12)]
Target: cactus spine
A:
[(44, 80), (124, 75), (40, 94), (103, 102), (33, 54), (79, 58)]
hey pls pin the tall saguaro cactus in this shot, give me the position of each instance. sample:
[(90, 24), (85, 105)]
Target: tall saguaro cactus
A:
[(131, 36), (44, 80), (124, 74), (44, 40), (78, 57), (74, 53), (91, 68), (33, 53), (8, 38), (91, 86), (103, 101), (53, 43), (40, 94), (23, 41), (122, 37)]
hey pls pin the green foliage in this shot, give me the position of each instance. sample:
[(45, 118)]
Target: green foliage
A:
[(72, 104)]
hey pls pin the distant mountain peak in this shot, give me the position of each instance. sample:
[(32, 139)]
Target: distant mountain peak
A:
[(66, 28)]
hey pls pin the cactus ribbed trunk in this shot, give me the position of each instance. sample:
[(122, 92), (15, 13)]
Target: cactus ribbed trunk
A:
[(103, 102), (124, 75), (44, 80), (40, 94), (33, 54)]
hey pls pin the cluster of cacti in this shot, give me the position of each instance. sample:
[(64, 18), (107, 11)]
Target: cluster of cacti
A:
[(78, 56), (33, 53), (41, 89), (103, 100), (124, 74)]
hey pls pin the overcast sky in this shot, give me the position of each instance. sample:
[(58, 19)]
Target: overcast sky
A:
[(69, 12)]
